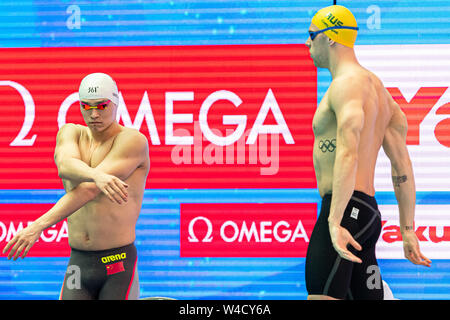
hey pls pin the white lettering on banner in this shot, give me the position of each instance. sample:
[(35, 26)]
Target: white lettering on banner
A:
[(410, 69), (257, 231), (241, 120), (65, 105), (20, 140), (54, 234), (270, 103), (145, 111), (172, 118), (51, 234), (431, 225), (12, 230), (3, 231), (235, 231)]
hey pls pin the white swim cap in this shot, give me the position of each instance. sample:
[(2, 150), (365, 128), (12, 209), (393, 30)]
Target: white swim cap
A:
[(99, 86)]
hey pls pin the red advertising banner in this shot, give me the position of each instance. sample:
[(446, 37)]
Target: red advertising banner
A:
[(215, 116), (246, 229), (53, 242)]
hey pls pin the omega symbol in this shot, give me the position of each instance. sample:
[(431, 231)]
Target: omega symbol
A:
[(207, 237)]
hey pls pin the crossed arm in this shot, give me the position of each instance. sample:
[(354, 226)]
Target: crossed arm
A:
[(128, 153), (71, 167)]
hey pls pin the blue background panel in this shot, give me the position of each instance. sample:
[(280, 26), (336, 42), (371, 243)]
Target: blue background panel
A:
[(163, 273), (47, 23)]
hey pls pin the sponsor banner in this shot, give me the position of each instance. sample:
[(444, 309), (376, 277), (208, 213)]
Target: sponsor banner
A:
[(234, 116), (53, 242), (418, 78), (246, 229), (432, 227)]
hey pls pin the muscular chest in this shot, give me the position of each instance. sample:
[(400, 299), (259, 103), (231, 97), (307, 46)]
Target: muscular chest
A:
[(93, 153)]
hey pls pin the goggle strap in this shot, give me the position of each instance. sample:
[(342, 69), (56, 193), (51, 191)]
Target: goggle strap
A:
[(338, 27), (315, 33)]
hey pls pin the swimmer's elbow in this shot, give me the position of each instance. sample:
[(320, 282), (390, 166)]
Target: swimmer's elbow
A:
[(62, 171), (397, 153), (88, 190), (63, 167), (347, 156)]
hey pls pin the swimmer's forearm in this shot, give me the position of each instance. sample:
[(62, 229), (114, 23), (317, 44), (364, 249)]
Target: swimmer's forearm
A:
[(405, 192), (344, 177), (67, 205), (76, 170)]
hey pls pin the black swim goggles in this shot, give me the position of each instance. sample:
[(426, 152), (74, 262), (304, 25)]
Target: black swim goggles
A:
[(313, 34)]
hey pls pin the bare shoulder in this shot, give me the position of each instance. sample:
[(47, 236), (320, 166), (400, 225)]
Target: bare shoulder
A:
[(67, 143), (349, 87), (71, 128), (130, 138), (130, 133), (69, 133), (398, 121)]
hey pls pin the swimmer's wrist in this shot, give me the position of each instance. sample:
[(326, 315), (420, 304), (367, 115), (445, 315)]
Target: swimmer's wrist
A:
[(95, 174), (406, 229), (333, 223), (39, 225)]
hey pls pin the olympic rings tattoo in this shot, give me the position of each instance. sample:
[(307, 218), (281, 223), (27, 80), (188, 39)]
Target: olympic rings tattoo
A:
[(327, 145)]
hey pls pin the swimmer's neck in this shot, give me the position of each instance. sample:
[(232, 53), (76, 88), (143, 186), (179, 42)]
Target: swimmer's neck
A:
[(101, 136), (341, 59)]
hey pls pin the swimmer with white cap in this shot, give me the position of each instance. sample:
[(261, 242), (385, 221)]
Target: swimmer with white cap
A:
[(103, 167), (356, 117), (98, 86)]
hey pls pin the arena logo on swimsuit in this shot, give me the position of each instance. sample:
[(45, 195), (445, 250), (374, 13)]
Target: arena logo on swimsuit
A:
[(114, 257)]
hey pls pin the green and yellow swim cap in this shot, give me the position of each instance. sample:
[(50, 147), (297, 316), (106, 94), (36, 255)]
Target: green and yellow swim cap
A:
[(337, 16)]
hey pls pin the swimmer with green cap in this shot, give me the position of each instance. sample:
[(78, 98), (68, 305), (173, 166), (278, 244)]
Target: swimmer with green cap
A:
[(356, 117)]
